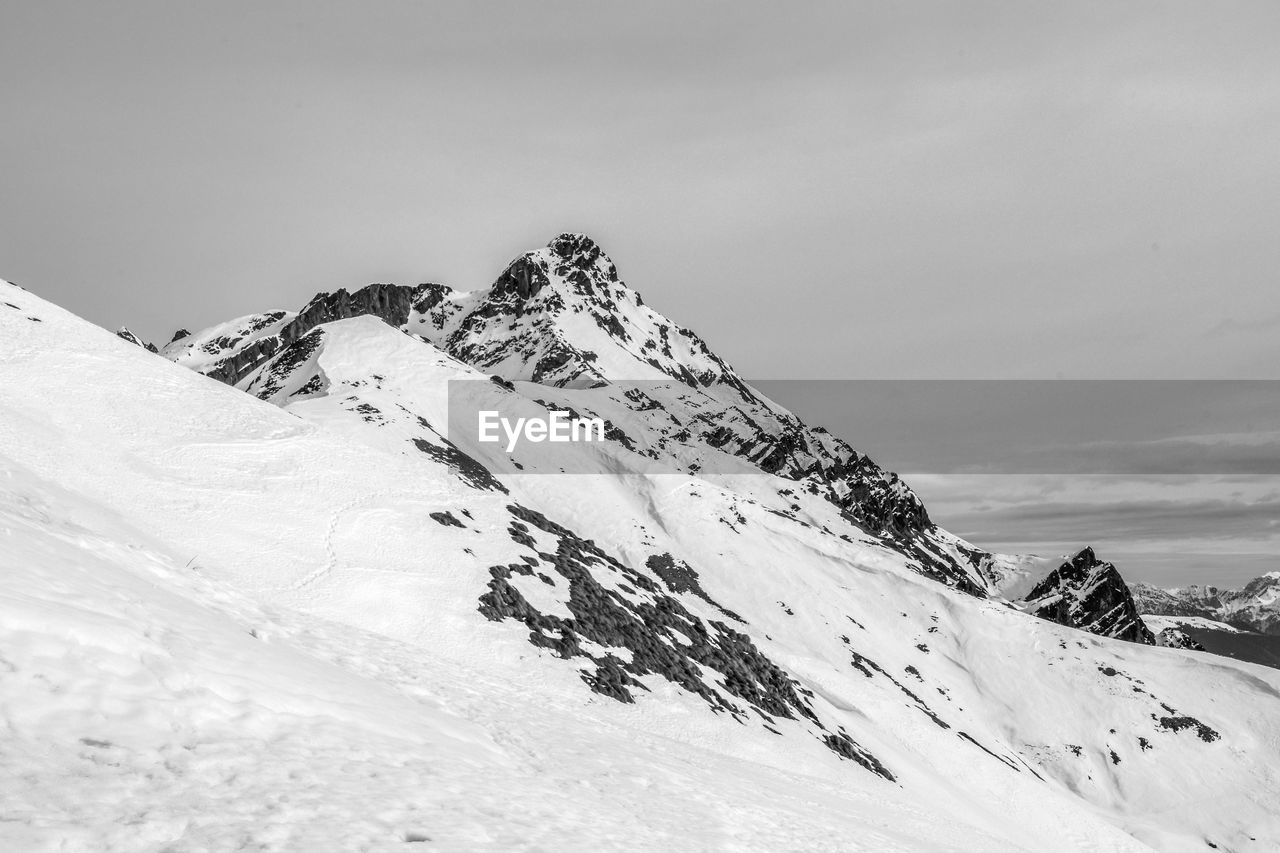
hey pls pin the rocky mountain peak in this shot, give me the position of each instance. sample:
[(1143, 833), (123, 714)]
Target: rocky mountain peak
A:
[(560, 316), (576, 266), (581, 252), (569, 246), (1085, 558), (1261, 584), (1088, 593), (524, 278), (125, 334)]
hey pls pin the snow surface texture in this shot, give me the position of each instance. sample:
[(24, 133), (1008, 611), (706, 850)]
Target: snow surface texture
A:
[(228, 624), (1160, 623)]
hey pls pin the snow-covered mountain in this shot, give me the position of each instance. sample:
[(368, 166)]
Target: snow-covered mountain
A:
[(1253, 607), (562, 326), (559, 317), (316, 617)]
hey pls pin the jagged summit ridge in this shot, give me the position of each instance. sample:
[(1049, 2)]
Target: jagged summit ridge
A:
[(560, 317), (527, 274), (1089, 593), (125, 334)]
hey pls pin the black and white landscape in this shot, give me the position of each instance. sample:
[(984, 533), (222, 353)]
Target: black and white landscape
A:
[(258, 589), (269, 582)]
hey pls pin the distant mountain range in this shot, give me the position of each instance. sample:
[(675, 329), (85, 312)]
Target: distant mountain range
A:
[(1253, 607)]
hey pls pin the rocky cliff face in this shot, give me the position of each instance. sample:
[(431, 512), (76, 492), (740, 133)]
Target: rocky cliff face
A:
[(392, 303), (1088, 593), (231, 352), (129, 336)]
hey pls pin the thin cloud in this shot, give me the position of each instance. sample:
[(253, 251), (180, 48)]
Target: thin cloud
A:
[(1232, 326), (1156, 520)]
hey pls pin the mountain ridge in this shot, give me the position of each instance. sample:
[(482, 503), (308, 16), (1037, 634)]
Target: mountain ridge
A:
[(561, 318), (507, 613), (1253, 607)]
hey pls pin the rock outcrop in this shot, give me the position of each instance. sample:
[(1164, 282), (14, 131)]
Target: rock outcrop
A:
[(1174, 638), (125, 334), (1087, 593)]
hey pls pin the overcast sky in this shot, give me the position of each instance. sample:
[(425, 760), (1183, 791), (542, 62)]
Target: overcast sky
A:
[(823, 190), (1175, 481)]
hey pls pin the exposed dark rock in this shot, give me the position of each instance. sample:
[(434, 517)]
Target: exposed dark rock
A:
[(286, 363), (447, 518), (389, 302), (1089, 594), (521, 280), (125, 334), (658, 634), (467, 468), (844, 746), (866, 665), (679, 577), (392, 303), (1178, 723), (1002, 759), (242, 362), (1174, 638)]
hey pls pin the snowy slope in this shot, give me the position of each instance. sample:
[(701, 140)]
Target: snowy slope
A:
[(181, 688), (221, 351), (1159, 623), (794, 681)]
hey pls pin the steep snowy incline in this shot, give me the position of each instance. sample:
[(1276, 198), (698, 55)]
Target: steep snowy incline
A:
[(693, 632), (293, 655), (148, 707), (945, 678)]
